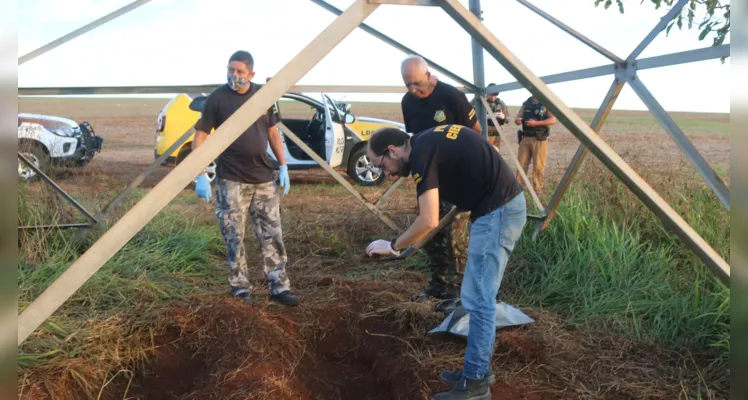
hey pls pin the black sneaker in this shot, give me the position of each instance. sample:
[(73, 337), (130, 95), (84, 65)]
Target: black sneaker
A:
[(447, 306), (467, 389), (245, 297), (286, 298), (452, 377)]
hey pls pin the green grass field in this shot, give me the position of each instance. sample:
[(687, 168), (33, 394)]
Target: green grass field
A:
[(623, 309)]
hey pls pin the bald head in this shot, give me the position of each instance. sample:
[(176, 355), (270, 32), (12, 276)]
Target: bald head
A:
[(416, 76), (414, 64)]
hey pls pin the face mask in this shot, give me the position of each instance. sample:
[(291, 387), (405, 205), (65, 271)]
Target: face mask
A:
[(237, 82)]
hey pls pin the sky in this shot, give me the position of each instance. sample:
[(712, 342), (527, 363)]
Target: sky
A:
[(188, 42)]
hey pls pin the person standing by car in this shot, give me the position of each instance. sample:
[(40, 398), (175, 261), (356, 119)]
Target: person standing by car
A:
[(245, 183), (427, 104), (536, 120), (452, 162)]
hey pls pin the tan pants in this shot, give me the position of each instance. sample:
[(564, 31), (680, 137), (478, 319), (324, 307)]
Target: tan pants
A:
[(535, 150), (494, 140)]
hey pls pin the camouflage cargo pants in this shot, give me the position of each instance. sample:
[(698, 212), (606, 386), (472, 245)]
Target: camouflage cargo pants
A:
[(234, 201), (441, 260)]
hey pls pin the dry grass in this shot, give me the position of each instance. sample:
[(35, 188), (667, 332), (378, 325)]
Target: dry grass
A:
[(357, 329)]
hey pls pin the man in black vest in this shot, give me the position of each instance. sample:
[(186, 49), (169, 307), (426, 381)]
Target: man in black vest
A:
[(501, 112), (536, 120), (430, 103), (454, 163)]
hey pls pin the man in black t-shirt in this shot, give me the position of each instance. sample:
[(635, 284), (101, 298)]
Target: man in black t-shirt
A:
[(430, 103), (456, 164), (245, 183)]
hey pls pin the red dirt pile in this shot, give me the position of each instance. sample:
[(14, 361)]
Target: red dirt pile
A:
[(357, 346)]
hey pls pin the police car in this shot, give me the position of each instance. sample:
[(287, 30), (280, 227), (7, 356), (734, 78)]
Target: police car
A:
[(47, 141), (327, 127)]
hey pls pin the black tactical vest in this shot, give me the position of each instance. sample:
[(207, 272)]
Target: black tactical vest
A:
[(536, 112), (495, 105)]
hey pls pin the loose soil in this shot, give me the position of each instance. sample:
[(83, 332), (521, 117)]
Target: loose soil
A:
[(357, 339), (366, 340)]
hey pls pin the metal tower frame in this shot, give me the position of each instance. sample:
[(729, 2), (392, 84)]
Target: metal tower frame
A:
[(624, 71)]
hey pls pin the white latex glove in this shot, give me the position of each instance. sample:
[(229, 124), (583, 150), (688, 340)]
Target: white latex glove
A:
[(499, 115), (381, 247)]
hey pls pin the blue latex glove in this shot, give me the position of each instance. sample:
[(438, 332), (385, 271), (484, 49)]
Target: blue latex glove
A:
[(284, 181), (202, 187)]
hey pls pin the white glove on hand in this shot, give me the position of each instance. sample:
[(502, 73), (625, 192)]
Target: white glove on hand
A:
[(499, 115), (381, 247)]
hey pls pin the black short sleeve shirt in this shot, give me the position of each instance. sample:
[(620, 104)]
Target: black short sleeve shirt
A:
[(445, 105), (246, 159), (464, 167)]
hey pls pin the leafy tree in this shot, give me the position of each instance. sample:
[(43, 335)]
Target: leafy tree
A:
[(716, 16)]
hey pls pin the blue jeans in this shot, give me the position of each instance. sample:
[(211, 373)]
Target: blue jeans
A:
[(492, 239)]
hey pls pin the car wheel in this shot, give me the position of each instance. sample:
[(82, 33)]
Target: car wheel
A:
[(37, 156), (361, 169)]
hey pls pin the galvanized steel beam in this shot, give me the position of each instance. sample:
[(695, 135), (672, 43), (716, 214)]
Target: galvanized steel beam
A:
[(703, 54), (479, 75), (566, 28), (156, 199), (61, 91), (407, 50), (597, 122), (656, 30), (57, 188), (694, 157), (590, 138), (80, 31)]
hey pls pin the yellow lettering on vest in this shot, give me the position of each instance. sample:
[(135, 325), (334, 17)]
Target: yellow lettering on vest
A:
[(454, 130), (440, 128)]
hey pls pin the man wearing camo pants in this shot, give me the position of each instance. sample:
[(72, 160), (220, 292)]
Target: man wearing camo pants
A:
[(427, 104), (245, 184)]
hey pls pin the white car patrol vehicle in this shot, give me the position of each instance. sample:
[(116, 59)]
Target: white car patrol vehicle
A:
[(47, 141)]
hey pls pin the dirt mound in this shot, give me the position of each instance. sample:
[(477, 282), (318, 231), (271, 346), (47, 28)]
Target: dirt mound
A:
[(353, 340), (223, 349), (366, 340)]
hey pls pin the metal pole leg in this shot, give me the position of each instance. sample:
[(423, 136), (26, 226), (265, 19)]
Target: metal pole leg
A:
[(81, 234), (685, 145), (58, 189), (566, 28), (80, 31), (407, 50), (656, 30), (387, 193), (579, 128), (479, 75), (322, 163), (160, 196), (576, 161), (514, 158)]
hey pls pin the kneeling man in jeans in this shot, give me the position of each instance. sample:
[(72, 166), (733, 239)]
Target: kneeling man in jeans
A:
[(455, 163)]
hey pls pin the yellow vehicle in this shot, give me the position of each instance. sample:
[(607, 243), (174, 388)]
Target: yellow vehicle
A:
[(327, 127)]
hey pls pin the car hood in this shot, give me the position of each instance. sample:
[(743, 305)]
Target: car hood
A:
[(380, 121), (46, 120)]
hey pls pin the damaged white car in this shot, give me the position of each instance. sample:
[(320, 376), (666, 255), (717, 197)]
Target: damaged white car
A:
[(48, 141)]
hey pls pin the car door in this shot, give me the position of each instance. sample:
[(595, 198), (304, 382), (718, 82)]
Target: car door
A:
[(291, 161), (334, 134)]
